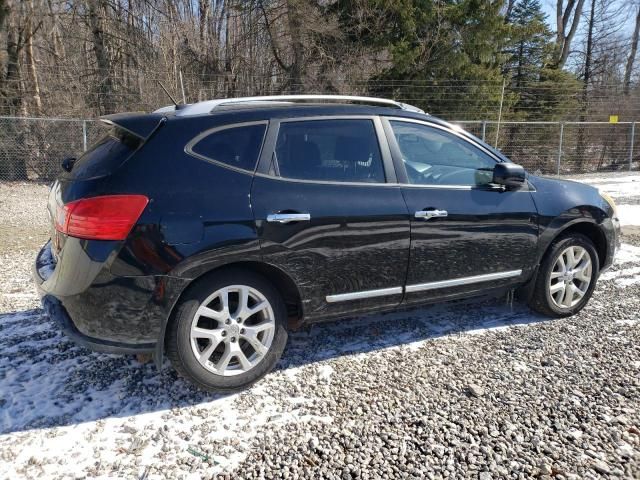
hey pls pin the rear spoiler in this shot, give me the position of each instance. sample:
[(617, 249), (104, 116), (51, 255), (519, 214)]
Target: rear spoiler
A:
[(139, 124)]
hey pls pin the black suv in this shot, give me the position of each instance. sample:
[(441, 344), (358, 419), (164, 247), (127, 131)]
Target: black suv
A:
[(206, 231)]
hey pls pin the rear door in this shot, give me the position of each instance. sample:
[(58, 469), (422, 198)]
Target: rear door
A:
[(467, 236), (330, 214)]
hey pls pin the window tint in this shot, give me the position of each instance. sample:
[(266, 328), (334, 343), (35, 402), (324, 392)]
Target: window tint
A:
[(236, 146), (105, 155), (329, 150), (435, 157)]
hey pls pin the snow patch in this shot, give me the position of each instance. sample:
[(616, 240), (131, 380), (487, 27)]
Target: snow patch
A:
[(629, 215)]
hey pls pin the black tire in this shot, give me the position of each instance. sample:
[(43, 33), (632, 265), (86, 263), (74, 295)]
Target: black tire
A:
[(541, 300), (178, 342)]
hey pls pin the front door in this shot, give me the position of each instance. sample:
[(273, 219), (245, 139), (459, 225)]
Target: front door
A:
[(466, 235), (328, 217)]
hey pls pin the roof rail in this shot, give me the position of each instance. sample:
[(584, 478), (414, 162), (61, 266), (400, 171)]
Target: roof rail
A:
[(209, 105)]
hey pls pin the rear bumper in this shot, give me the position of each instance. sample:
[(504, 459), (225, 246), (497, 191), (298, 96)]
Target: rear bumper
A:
[(56, 312), (81, 297)]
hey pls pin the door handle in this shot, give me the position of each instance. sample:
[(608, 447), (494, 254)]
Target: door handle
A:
[(288, 217), (427, 214)]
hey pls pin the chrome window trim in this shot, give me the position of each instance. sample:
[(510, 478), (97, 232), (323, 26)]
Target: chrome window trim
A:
[(446, 129), (327, 182), (342, 297), (188, 148), (454, 282)]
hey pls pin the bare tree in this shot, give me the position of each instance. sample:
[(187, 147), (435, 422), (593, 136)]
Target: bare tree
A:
[(632, 54), (566, 17)]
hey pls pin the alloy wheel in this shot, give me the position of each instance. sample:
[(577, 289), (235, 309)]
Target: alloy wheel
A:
[(570, 277), (232, 330)]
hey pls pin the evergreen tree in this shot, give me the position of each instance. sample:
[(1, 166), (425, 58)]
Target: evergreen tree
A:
[(530, 44)]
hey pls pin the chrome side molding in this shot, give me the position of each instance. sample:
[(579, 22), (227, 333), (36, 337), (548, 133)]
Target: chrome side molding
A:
[(342, 297), (455, 282)]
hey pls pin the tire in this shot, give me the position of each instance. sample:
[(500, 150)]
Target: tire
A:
[(250, 337), (557, 303)]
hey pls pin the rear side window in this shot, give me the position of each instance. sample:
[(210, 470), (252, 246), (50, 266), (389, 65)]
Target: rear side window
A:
[(237, 147), (329, 150), (106, 155)]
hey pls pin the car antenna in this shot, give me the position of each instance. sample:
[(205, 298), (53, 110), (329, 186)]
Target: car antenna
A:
[(168, 94)]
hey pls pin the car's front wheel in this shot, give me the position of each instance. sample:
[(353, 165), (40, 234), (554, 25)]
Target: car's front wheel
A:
[(228, 332), (567, 277)]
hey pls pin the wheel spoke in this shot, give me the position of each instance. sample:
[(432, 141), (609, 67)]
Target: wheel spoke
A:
[(568, 295), (211, 334), (578, 258), (557, 288), (561, 263), (224, 301), (224, 360), (243, 302), (257, 345), (244, 361), (260, 327), (571, 259), (584, 273), (578, 292), (258, 307), (555, 275), (206, 353), (211, 313)]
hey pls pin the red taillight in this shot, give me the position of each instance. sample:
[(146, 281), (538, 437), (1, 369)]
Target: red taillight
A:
[(110, 217)]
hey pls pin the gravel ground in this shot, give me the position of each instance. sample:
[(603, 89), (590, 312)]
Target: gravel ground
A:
[(463, 390)]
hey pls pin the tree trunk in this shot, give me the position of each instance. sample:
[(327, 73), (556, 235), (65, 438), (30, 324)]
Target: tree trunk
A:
[(563, 39), (632, 55), (296, 67), (580, 150), (106, 102), (31, 64)]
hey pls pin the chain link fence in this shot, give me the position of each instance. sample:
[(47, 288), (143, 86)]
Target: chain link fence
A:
[(31, 149), (563, 147)]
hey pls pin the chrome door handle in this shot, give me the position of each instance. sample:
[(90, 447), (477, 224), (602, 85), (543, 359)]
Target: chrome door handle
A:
[(288, 217), (427, 214)]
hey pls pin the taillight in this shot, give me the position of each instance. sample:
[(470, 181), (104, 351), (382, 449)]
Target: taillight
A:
[(110, 217)]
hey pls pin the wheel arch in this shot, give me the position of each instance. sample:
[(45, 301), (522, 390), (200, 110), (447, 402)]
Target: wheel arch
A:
[(281, 280), (589, 229)]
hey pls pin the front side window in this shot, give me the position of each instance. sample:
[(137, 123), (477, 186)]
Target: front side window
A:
[(329, 150), (235, 146), (434, 157)]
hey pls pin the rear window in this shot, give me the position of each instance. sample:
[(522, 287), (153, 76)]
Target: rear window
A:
[(237, 147), (106, 155)]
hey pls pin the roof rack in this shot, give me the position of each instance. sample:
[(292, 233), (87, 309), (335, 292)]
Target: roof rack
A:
[(209, 105)]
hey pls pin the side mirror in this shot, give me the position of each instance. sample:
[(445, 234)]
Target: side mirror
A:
[(67, 164), (509, 175)]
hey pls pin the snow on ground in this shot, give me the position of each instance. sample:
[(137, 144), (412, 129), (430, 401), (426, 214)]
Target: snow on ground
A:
[(431, 390), (625, 190)]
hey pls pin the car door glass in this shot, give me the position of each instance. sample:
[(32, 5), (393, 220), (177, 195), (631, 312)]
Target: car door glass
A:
[(236, 146), (329, 150), (434, 157)]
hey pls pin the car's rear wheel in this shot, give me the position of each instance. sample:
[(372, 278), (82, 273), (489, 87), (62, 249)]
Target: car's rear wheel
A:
[(228, 332), (567, 277)]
